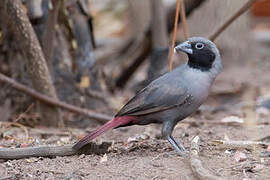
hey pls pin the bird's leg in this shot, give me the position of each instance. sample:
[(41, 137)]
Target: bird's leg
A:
[(167, 133), (176, 144)]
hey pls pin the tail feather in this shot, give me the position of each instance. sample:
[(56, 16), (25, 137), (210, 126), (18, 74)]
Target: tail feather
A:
[(115, 122)]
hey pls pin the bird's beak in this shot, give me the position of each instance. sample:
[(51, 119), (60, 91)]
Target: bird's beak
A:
[(184, 47)]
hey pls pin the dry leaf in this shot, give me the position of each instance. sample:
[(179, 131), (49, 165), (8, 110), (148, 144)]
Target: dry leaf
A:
[(232, 119), (104, 158), (240, 156), (228, 151), (138, 137)]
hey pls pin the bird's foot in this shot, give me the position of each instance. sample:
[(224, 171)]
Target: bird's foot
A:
[(180, 149)]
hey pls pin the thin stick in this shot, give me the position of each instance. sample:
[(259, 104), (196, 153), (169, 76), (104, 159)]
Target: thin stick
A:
[(196, 164), (52, 151), (51, 101), (240, 144), (231, 20), (174, 34), (27, 110), (184, 19)]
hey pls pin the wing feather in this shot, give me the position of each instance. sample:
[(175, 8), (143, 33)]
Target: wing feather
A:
[(155, 97)]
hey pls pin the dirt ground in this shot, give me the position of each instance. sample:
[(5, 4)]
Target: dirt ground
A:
[(139, 153), (150, 157)]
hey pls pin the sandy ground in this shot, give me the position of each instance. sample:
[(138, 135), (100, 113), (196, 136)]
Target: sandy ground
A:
[(150, 157)]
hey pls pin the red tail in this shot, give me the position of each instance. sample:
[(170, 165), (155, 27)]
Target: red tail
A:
[(115, 122)]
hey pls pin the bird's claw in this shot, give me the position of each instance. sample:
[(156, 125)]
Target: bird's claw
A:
[(180, 149)]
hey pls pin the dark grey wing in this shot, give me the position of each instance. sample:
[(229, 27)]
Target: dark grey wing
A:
[(155, 97)]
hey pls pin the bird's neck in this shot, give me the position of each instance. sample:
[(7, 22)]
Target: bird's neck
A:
[(198, 67), (212, 70)]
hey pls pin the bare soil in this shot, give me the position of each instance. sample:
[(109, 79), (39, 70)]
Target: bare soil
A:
[(146, 156), (139, 153)]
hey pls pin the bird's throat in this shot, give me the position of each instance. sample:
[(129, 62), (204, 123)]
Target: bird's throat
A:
[(198, 66)]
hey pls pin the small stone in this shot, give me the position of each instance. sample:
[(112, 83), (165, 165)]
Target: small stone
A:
[(258, 167)]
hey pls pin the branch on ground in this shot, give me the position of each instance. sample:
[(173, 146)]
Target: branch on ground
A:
[(52, 151), (240, 144), (196, 164), (54, 102)]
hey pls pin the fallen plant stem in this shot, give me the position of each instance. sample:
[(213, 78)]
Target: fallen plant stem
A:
[(224, 26), (51, 101), (263, 138), (26, 111), (240, 144), (212, 122), (184, 19), (52, 151), (41, 151), (174, 34), (49, 131), (196, 164)]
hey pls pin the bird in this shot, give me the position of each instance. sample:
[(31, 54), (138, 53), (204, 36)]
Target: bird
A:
[(173, 96)]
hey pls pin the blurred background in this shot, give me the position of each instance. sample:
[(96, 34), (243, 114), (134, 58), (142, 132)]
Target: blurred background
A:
[(99, 53)]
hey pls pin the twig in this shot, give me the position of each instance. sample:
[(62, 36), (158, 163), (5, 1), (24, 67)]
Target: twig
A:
[(263, 138), (231, 20), (52, 151), (196, 164), (184, 19), (240, 144), (51, 101), (26, 111), (174, 34), (212, 122), (49, 131)]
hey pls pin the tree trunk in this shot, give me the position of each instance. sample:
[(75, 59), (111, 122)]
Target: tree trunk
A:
[(34, 58), (160, 51), (49, 32)]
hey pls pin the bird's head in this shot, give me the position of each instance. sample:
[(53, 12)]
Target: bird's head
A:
[(202, 54)]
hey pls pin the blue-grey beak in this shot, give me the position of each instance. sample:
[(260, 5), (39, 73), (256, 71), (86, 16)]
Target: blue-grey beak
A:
[(184, 47)]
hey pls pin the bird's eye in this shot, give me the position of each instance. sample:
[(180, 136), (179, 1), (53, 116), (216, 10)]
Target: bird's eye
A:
[(199, 45)]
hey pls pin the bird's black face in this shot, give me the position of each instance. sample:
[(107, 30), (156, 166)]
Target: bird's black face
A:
[(199, 53)]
